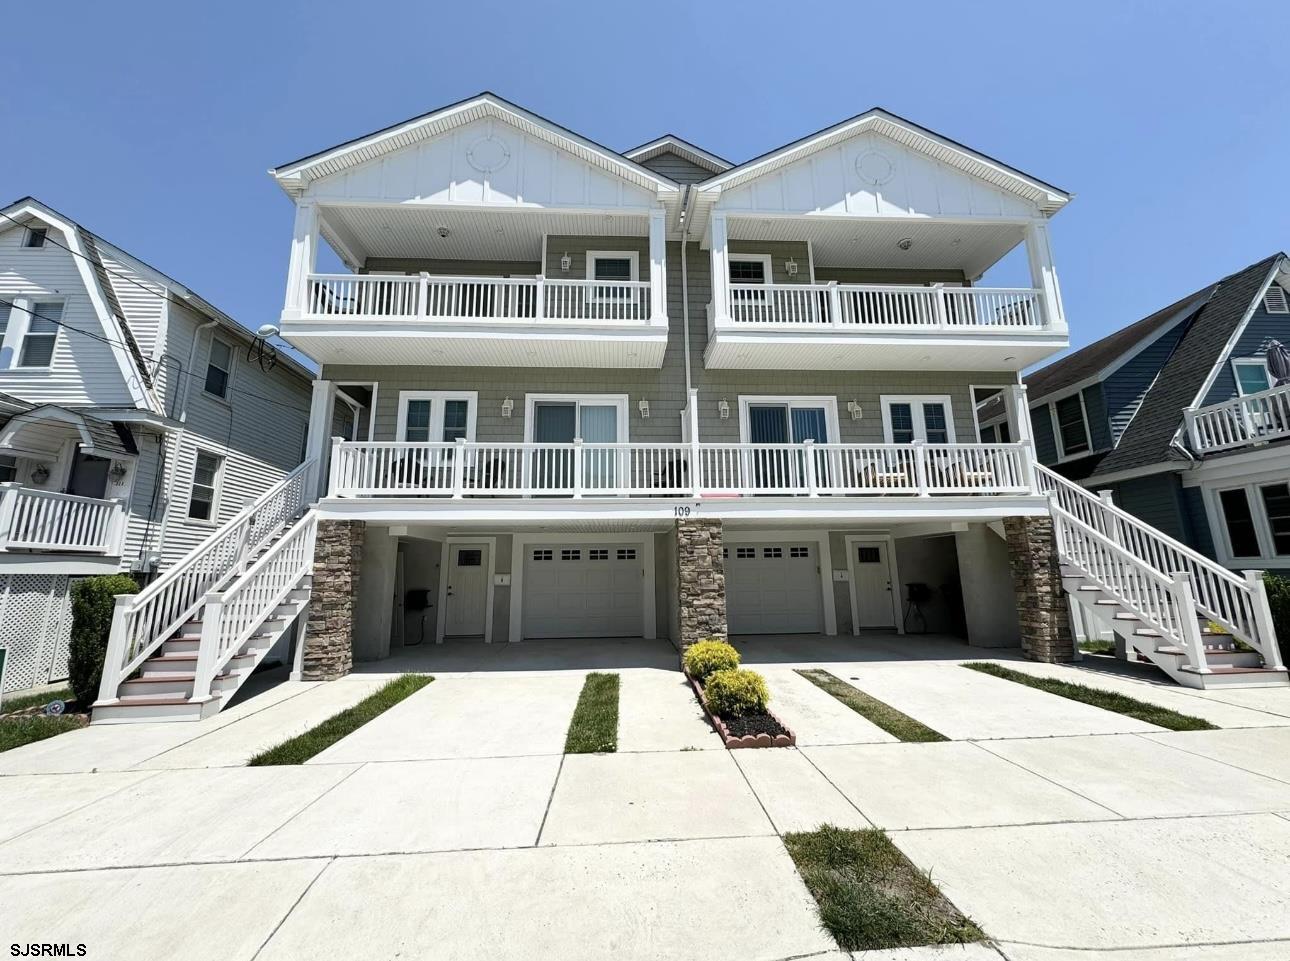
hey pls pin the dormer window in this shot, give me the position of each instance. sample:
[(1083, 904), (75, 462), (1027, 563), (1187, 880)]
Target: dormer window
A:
[(1072, 425)]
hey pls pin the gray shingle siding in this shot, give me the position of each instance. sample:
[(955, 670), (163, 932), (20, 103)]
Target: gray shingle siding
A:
[(677, 168), (664, 387), (1253, 343)]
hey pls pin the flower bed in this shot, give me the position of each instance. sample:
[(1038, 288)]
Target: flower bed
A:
[(753, 730)]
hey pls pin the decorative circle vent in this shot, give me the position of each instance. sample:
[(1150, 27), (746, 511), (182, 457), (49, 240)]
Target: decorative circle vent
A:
[(875, 168), (488, 154)]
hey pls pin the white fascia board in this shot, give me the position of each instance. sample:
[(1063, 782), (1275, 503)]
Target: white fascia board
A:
[(295, 175), (1240, 464), (683, 149), (1054, 199)]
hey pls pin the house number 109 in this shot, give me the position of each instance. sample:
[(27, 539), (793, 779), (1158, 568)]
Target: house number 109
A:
[(681, 510)]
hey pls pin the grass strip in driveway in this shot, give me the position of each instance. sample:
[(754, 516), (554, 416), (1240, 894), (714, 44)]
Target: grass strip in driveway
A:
[(302, 747), (871, 709), (869, 894), (1107, 700), (594, 727), (17, 731)]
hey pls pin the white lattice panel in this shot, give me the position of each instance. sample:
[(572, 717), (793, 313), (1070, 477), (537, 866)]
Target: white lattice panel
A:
[(35, 625)]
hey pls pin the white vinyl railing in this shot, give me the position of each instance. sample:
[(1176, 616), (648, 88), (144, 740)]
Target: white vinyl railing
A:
[(494, 299), (1251, 419), (1238, 604), (231, 616), (141, 622), (852, 306), (37, 520), (585, 469)]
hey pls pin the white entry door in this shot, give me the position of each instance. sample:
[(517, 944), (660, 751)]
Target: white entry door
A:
[(583, 590), (773, 587), (871, 575), (466, 597)]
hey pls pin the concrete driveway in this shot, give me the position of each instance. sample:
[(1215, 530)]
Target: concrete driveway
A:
[(453, 827)]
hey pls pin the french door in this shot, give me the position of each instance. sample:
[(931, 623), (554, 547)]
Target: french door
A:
[(563, 421), (774, 468)]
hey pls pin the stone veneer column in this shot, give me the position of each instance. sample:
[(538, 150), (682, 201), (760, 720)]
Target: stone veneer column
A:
[(1042, 607), (329, 637), (701, 580)]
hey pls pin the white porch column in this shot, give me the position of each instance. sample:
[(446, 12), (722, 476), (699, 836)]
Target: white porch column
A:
[(658, 267), (1043, 275), (1017, 404), (318, 444), (304, 259), (720, 270)]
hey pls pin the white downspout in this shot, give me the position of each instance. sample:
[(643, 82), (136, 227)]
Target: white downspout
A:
[(686, 208), (172, 462)]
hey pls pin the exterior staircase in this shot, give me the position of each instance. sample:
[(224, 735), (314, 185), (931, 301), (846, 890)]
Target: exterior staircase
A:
[(1160, 597), (182, 647)]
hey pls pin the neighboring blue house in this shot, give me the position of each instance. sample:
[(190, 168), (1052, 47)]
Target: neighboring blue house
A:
[(1178, 416)]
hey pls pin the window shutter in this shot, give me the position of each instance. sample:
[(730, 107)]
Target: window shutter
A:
[(1274, 301)]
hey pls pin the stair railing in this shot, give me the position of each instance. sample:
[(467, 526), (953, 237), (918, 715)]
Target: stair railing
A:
[(1161, 601), (231, 616), (1238, 604), (141, 622)]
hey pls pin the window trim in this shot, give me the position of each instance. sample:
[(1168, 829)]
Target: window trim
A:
[(632, 256), (18, 338), (228, 374), (1058, 443), (1237, 362), (765, 260), (1252, 486), (620, 401), (437, 399), (828, 401), (886, 401), (217, 489)]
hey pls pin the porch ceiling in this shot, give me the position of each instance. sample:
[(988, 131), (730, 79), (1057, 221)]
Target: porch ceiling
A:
[(501, 235), (841, 242)]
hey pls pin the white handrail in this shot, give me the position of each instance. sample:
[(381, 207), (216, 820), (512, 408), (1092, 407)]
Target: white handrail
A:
[(1238, 604), (141, 622), (1249, 419), (585, 469), (822, 307), (39, 520), (232, 615)]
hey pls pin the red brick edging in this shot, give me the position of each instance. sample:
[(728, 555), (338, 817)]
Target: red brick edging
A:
[(746, 740)]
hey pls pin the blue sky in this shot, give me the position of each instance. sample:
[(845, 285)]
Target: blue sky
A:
[(154, 123)]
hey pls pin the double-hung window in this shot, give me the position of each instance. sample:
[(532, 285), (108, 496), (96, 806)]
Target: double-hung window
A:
[(206, 476), (907, 419), (612, 271), (1072, 426), (41, 338), (1251, 375), (747, 273), (1256, 519), (219, 367), (436, 415)]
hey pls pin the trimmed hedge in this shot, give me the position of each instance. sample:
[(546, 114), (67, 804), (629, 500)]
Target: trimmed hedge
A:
[(708, 656), (736, 693), (92, 601), (1279, 600)]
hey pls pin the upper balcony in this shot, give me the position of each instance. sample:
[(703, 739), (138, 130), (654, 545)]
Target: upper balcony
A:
[(822, 295), (1244, 421), (36, 523)]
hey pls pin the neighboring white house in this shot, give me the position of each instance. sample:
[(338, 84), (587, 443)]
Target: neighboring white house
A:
[(135, 419), (589, 394)]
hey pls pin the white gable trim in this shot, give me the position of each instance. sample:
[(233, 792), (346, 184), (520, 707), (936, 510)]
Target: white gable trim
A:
[(294, 177), (130, 373), (1046, 197), (683, 149)]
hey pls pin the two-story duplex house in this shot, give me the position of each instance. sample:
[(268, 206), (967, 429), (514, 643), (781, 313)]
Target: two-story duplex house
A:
[(135, 419), (1181, 418), (595, 394)]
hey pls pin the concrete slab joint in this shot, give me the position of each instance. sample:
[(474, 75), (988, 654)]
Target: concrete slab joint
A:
[(1042, 609), (329, 638), (701, 580)]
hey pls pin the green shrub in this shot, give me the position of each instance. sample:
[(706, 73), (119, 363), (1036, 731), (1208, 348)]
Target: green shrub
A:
[(92, 601), (736, 693), (1279, 600), (710, 655)]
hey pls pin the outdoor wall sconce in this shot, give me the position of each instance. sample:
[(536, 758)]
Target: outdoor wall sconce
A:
[(723, 409), (643, 407), (790, 267), (40, 474), (118, 471), (854, 410), (565, 263), (904, 243), (508, 407)]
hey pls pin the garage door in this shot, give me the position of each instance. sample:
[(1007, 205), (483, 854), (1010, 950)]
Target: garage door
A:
[(773, 588), (583, 590)]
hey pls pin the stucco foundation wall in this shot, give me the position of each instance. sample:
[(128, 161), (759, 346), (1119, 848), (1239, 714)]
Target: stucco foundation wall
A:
[(989, 600)]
